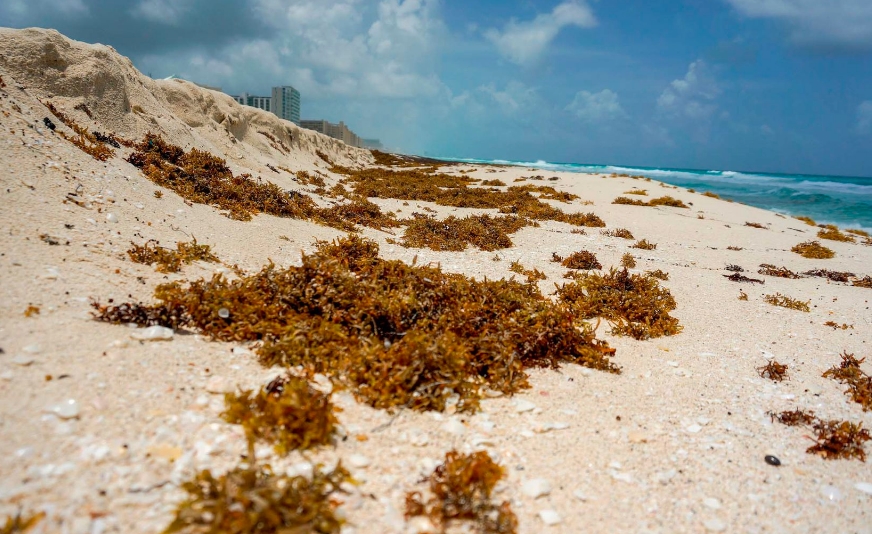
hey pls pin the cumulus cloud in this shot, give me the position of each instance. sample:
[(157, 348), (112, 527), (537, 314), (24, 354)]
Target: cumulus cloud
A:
[(515, 98), (816, 23), (524, 42), (693, 96), (864, 117), (163, 11), (597, 107), (16, 11)]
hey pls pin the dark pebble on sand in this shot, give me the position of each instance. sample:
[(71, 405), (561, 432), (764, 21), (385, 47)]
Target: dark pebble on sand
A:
[(772, 460)]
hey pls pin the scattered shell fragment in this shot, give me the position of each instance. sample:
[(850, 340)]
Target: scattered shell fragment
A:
[(23, 360), (714, 525), (694, 429), (548, 427), (358, 460), (831, 493), (68, 409), (536, 487), (224, 313), (522, 406), (865, 487), (712, 503), (153, 333), (550, 517), (111, 217)]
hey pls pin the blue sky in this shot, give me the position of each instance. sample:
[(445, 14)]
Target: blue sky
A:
[(764, 85)]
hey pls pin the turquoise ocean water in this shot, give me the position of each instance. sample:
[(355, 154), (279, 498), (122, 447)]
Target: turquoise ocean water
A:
[(842, 200)]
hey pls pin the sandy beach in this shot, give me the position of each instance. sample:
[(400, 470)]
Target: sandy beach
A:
[(101, 429)]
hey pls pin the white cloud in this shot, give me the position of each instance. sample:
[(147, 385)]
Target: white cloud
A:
[(864, 117), (693, 96), (514, 98), (840, 23), (524, 42), (163, 11), (19, 10), (597, 107)]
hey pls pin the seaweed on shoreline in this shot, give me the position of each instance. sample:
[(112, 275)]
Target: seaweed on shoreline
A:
[(773, 370), (396, 335), (787, 302), (533, 275), (736, 277), (170, 261), (482, 231), (859, 383), (582, 260), (834, 276), (461, 489), (813, 250), (622, 233), (780, 272)]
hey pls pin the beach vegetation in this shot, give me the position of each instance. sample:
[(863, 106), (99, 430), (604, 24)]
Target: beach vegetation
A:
[(658, 274), (755, 225), (453, 234), (395, 335), (628, 261), (21, 524), (91, 143), (807, 220), (640, 192), (737, 277), (780, 272), (773, 370), (834, 276), (833, 234), (866, 282), (859, 383), (795, 417), (493, 183), (861, 233), (533, 275), (582, 260), (711, 195), (288, 412), (787, 302), (168, 260), (644, 244), (660, 201), (623, 233), (461, 489), (813, 250), (255, 500), (635, 304), (629, 201)]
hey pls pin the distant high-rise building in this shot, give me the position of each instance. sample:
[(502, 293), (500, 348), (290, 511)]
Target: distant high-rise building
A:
[(373, 144), (286, 103), (336, 131)]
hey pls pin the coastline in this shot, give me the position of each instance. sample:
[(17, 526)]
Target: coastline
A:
[(675, 443)]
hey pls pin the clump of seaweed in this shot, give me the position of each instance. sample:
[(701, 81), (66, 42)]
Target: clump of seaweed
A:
[(85, 140), (743, 295), (623, 233), (859, 383), (866, 282), (640, 192), (833, 234), (732, 267), (786, 302), (773, 371), (254, 500), (861, 233), (359, 211), (556, 258), (645, 245), (203, 178), (461, 490), (835, 326), (734, 248), (304, 178), (658, 274), (711, 195), (755, 225), (795, 417), (835, 276), (629, 201), (482, 231), (396, 335), (628, 261), (493, 183), (736, 277), (170, 261), (807, 220), (533, 275), (839, 439), (635, 304), (780, 272), (668, 201), (19, 524), (813, 250), (582, 260), (288, 413)]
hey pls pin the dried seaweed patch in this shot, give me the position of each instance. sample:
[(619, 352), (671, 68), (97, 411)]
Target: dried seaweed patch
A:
[(533, 275), (833, 234), (170, 261), (813, 250), (780, 272), (787, 302), (807, 220), (859, 383), (866, 282), (628, 261), (756, 225), (482, 231), (834, 276), (84, 140), (794, 417), (461, 489), (582, 259), (773, 371), (644, 244), (736, 277), (623, 233)]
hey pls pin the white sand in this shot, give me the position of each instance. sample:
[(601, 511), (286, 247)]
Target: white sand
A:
[(674, 444)]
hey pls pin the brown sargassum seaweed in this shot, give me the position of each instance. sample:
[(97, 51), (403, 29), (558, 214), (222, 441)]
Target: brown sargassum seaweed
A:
[(288, 412), (21, 524), (461, 490), (532, 275), (813, 250), (483, 231), (787, 302), (254, 500), (660, 201), (635, 304), (170, 261), (859, 383), (582, 259), (780, 272), (773, 371), (833, 439), (396, 335)]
